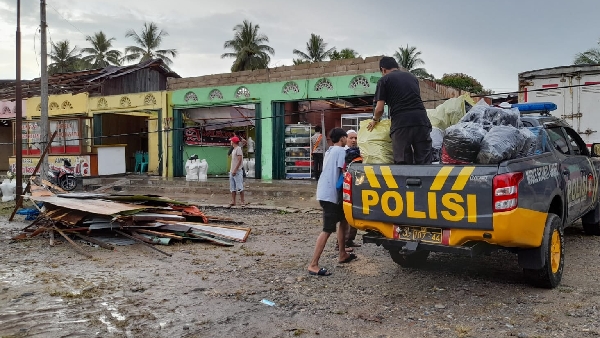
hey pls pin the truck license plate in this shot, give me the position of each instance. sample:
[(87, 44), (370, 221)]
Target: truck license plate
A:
[(423, 234)]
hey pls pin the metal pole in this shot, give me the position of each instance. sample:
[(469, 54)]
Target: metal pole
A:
[(19, 112), (45, 125)]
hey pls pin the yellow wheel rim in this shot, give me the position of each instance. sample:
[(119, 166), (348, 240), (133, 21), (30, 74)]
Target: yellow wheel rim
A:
[(555, 251)]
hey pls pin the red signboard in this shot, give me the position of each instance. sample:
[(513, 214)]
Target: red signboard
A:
[(198, 137)]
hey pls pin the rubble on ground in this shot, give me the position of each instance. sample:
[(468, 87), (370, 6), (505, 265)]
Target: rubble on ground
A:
[(106, 220)]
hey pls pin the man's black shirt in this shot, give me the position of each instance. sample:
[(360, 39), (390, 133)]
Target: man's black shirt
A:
[(400, 91)]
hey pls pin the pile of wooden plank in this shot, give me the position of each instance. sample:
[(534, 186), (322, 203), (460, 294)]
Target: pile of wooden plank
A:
[(147, 219)]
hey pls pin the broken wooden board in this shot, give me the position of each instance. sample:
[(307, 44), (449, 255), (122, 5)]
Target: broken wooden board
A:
[(68, 217), (218, 241), (237, 234), (99, 207)]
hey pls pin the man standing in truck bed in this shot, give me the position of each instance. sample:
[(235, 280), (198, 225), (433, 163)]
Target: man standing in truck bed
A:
[(411, 128)]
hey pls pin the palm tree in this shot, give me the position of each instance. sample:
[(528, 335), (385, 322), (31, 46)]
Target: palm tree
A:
[(100, 54), (299, 62), (316, 50), (64, 58), (148, 42), (346, 53), (249, 48), (589, 57), (409, 59)]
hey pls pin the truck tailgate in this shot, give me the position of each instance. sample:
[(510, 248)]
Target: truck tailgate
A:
[(444, 196)]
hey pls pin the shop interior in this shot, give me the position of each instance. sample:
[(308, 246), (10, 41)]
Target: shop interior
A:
[(207, 133), (302, 117), (130, 129)]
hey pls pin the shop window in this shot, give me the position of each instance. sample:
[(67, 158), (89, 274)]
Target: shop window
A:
[(67, 140), (190, 96), (323, 84), (215, 94)]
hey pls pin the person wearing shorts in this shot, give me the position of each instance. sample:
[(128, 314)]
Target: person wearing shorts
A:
[(236, 175), (330, 200)]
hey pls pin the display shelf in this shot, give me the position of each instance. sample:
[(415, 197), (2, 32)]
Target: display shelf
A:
[(298, 147)]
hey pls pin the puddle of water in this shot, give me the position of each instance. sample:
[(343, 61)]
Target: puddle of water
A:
[(114, 312), (111, 328), (15, 278)]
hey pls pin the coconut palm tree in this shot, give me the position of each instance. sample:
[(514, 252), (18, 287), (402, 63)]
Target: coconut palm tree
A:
[(409, 59), (249, 48), (101, 55), (316, 50), (346, 53), (148, 42), (589, 57), (64, 58)]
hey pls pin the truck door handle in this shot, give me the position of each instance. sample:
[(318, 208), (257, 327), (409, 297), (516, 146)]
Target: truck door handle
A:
[(413, 181)]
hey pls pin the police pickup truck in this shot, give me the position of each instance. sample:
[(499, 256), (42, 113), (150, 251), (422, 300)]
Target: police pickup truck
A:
[(521, 205)]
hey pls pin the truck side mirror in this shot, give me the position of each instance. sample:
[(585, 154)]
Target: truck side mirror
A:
[(596, 150)]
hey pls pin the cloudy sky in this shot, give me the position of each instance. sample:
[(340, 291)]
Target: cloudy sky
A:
[(490, 40)]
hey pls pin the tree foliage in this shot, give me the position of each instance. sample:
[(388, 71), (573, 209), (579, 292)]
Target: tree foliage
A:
[(316, 50), (589, 57), (463, 82), (65, 59), (409, 58), (147, 44), (346, 53), (101, 54), (250, 50)]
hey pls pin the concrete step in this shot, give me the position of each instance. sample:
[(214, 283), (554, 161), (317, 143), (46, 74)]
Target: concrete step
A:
[(250, 191), (253, 187)]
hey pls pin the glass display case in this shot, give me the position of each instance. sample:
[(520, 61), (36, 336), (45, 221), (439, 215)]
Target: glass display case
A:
[(352, 121), (298, 146)]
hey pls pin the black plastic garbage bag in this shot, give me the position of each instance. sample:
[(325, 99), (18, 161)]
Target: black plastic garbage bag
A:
[(499, 144), (462, 141), (493, 116), (529, 143)]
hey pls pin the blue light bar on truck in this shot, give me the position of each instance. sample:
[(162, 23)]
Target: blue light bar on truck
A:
[(535, 106)]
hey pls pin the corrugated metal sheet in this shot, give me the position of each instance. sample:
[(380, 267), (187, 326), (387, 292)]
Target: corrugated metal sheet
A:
[(98, 207)]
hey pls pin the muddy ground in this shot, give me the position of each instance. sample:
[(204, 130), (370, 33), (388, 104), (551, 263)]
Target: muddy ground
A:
[(209, 291)]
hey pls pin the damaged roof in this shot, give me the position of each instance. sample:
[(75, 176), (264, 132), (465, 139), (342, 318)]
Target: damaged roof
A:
[(90, 80)]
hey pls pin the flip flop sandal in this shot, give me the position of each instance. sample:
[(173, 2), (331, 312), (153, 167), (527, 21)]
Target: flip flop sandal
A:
[(349, 259), (322, 272)]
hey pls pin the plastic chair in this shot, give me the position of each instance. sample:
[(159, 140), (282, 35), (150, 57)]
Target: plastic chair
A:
[(144, 164), (139, 157)]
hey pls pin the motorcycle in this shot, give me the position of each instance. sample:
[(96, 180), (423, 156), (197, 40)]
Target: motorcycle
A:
[(63, 176)]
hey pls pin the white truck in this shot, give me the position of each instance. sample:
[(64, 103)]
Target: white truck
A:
[(574, 89)]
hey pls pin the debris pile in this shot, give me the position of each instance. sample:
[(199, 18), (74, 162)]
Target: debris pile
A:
[(106, 220)]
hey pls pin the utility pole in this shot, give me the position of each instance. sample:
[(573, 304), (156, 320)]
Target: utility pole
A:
[(45, 124), (19, 108)]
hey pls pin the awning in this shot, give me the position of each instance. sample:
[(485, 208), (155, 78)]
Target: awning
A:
[(221, 117)]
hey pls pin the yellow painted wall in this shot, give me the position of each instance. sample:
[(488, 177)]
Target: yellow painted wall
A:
[(58, 105), (139, 104)]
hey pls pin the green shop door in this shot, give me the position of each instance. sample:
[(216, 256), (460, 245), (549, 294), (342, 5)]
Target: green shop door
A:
[(278, 140)]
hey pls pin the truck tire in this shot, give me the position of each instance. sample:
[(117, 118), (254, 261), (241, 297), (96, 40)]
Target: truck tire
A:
[(591, 229), (412, 260), (550, 274)]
